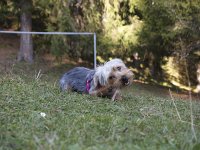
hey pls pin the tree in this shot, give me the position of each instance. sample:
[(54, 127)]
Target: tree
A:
[(26, 43)]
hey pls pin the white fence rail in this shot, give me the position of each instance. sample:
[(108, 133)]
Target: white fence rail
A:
[(58, 33)]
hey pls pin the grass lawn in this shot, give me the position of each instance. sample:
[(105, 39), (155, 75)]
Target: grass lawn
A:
[(74, 121)]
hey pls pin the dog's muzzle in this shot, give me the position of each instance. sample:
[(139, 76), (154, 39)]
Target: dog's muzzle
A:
[(125, 80)]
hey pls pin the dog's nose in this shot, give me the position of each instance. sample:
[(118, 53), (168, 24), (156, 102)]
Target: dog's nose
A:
[(124, 79)]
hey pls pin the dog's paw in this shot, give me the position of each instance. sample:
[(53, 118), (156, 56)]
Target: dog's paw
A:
[(117, 95), (93, 93)]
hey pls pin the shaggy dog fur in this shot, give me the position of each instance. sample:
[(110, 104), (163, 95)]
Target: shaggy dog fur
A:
[(106, 80)]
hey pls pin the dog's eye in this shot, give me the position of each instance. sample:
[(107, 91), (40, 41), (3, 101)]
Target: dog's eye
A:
[(119, 68), (111, 77)]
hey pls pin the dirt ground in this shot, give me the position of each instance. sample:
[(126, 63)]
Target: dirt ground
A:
[(9, 45)]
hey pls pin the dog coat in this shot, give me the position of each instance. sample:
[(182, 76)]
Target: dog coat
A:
[(89, 79)]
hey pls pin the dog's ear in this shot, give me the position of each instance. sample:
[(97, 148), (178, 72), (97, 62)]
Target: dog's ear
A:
[(102, 80), (99, 79), (95, 81), (100, 76)]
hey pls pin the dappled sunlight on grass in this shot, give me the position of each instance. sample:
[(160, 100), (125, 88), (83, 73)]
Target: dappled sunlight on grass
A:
[(165, 84), (181, 86)]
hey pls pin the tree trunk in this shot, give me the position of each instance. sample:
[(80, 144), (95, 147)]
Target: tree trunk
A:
[(26, 43)]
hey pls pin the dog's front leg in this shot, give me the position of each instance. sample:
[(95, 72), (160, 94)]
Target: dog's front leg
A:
[(117, 95), (98, 92), (93, 93)]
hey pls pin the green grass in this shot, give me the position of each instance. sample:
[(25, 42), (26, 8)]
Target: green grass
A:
[(75, 121)]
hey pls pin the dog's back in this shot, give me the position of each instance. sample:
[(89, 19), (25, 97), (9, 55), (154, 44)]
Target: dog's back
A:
[(75, 79)]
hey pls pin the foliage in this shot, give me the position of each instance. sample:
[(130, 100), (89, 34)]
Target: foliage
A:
[(187, 37), (154, 29), (155, 36), (170, 29), (120, 26), (9, 15)]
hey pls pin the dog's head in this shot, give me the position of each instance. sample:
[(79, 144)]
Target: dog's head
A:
[(113, 73), (120, 75)]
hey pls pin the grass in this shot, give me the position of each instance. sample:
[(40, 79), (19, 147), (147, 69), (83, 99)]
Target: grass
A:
[(75, 121)]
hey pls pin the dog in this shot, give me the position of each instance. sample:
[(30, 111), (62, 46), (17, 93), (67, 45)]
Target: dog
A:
[(105, 81)]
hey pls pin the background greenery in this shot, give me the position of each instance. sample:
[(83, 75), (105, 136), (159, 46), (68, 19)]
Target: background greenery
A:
[(157, 39), (164, 34)]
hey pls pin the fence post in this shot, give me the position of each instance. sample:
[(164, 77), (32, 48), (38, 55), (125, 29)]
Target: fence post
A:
[(95, 51)]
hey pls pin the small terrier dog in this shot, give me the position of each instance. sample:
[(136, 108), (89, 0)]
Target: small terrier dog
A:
[(105, 81)]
